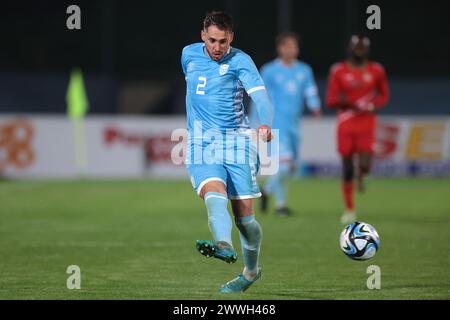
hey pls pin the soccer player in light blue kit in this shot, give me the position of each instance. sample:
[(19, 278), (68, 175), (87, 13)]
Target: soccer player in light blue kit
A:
[(289, 83), (216, 76)]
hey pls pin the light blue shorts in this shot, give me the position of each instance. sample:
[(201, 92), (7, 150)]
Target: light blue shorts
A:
[(235, 165)]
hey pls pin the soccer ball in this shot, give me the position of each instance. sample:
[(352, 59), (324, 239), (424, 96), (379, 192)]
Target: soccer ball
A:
[(359, 241)]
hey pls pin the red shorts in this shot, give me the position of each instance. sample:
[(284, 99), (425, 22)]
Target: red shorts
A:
[(356, 135)]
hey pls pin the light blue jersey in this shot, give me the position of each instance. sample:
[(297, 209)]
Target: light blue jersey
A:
[(214, 103), (289, 87), (215, 89)]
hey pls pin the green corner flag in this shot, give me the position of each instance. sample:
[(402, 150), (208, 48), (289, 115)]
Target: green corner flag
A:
[(77, 106), (76, 98)]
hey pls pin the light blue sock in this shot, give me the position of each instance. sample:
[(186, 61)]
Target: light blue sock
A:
[(219, 219), (278, 185), (251, 236)]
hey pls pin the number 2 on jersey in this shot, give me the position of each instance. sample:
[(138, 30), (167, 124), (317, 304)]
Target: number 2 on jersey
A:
[(201, 85)]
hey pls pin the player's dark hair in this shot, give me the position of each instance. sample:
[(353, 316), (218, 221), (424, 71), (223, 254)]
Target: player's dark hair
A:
[(286, 35), (220, 19)]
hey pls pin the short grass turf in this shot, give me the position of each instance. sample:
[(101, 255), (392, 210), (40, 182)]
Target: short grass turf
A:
[(135, 239)]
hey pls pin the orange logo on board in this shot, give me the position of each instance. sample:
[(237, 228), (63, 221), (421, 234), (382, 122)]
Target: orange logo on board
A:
[(15, 144)]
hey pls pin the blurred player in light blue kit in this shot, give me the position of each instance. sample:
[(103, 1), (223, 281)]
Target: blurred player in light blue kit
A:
[(221, 159), (290, 83)]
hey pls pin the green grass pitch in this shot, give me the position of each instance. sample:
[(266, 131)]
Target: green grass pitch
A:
[(135, 239)]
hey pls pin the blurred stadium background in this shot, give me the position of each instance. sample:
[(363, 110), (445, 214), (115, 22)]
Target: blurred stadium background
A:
[(129, 55)]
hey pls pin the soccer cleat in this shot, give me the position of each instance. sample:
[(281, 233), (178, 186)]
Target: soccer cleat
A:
[(283, 211), (239, 284), (264, 201), (348, 217), (217, 249)]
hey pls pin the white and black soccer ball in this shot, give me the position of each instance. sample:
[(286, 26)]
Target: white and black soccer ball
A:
[(359, 241)]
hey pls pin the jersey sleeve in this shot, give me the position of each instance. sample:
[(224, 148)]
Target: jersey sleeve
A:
[(248, 75), (253, 83), (253, 116), (332, 97), (311, 92), (383, 89), (184, 58)]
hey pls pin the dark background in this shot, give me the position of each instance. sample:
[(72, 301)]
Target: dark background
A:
[(125, 47)]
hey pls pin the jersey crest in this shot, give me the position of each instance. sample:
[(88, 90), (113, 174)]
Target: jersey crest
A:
[(223, 68)]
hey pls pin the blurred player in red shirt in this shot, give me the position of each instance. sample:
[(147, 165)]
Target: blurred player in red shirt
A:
[(357, 89)]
